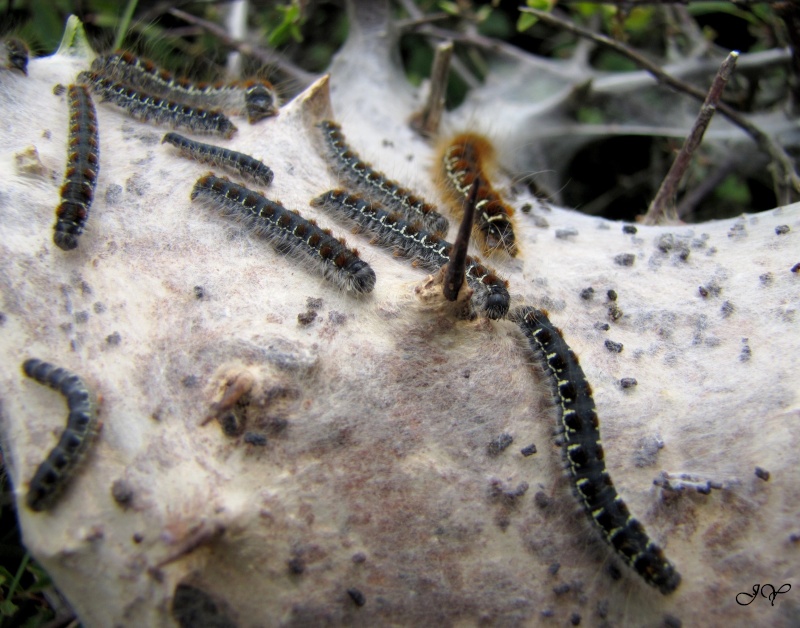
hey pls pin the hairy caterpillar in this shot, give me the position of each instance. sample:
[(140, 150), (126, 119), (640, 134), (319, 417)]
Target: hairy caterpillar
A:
[(463, 161), (290, 233), (346, 164), (255, 98), (584, 453), (428, 250), (83, 166), (82, 425), (148, 108), (244, 165), (14, 55)]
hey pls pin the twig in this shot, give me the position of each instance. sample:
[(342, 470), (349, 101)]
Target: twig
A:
[(784, 176), (789, 12), (266, 57), (456, 267), (663, 206), (417, 21), (426, 121)]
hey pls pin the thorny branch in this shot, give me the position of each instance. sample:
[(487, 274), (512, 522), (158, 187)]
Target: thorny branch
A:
[(663, 204), (785, 178)]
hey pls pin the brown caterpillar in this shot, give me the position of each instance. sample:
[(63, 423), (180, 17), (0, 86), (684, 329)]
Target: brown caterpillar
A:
[(255, 98), (83, 167), (158, 110), (463, 160)]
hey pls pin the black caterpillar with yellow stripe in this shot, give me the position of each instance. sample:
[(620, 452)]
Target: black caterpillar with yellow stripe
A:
[(583, 450)]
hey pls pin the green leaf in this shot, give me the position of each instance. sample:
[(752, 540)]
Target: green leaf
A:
[(525, 21), (450, 7), (8, 608)]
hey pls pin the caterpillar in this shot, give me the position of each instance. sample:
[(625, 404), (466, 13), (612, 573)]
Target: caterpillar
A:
[(257, 99), (83, 167), (244, 165), (55, 472), (290, 233), (426, 249), (464, 159), (583, 451), (14, 55), (148, 108), (345, 163)]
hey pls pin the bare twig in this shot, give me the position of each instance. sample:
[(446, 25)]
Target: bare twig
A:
[(785, 178), (266, 57), (426, 121), (790, 14), (457, 266), (663, 206), (417, 22)]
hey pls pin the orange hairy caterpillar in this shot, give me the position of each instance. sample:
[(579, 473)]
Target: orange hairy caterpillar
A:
[(148, 108), (82, 425), (289, 232), (255, 98), (345, 163), (583, 451), (426, 249), (83, 166), (244, 165), (464, 159), (14, 55)]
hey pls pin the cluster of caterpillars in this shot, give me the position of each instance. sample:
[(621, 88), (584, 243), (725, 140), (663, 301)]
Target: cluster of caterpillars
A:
[(408, 225)]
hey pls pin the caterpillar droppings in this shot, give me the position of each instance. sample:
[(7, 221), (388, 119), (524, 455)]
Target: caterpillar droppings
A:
[(583, 451), (148, 108), (257, 99), (345, 163), (464, 159), (289, 232), (83, 167), (244, 165), (55, 472), (426, 249)]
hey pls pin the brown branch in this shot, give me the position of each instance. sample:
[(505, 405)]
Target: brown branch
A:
[(457, 266), (662, 208), (263, 55), (694, 197), (426, 121), (785, 178)]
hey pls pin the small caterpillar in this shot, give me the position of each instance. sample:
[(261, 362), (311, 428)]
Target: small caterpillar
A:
[(462, 162), (428, 250), (157, 110), (255, 98), (290, 232), (347, 164), (244, 165), (584, 453), (83, 166), (55, 472), (14, 55)]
